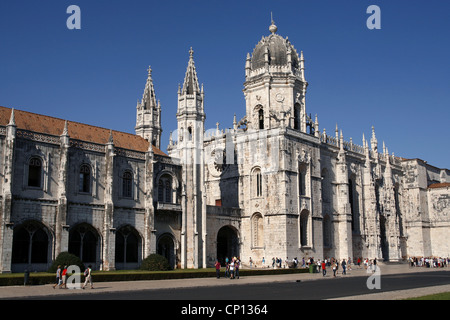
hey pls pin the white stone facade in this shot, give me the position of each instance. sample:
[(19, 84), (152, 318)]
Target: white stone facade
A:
[(272, 186)]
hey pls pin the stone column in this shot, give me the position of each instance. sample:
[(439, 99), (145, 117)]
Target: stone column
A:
[(344, 214), (108, 222)]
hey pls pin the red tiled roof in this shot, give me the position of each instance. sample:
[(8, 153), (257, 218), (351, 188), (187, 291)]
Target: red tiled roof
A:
[(80, 131), (439, 185)]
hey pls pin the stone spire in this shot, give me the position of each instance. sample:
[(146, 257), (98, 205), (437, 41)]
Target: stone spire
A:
[(11, 127), (12, 119), (149, 97), (190, 85), (148, 114), (374, 141)]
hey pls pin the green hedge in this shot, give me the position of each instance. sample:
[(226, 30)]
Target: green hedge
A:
[(15, 279)]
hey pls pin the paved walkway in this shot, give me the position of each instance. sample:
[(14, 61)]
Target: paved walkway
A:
[(45, 290)]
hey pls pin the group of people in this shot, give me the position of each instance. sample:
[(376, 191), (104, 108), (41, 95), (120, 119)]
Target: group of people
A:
[(61, 277), (429, 262), (276, 263), (232, 267), (319, 265)]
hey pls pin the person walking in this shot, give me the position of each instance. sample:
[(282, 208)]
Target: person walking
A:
[(88, 277), (64, 278), (237, 266), (58, 277), (334, 269), (217, 265), (344, 267), (324, 268)]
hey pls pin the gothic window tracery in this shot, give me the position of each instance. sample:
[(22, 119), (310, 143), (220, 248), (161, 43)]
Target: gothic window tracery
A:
[(85, 179), (127, 245), (127, 183), (165, 189), (30, 243)]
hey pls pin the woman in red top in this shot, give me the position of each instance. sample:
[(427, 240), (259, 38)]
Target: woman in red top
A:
[(64, 277)]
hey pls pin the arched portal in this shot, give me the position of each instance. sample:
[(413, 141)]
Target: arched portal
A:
[(128, 245), (84, 243), (31, 247), (166, 248), (227, 244)]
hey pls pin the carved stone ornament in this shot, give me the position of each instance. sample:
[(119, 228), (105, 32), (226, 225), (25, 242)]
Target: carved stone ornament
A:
[(279, 97), (218, 165), (304, 156)]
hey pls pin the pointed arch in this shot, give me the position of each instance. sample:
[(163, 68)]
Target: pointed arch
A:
[(31, 244), (85, 243), (128, 247), (256, 182), (166, 246)]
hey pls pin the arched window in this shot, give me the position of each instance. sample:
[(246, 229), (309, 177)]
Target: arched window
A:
[(127, 183), (257, 230), (83, 242), (34, 172), (165, 189), (30, 243), (127, 245), (304, 228), (85, 179), (261, 118), (256, 181)]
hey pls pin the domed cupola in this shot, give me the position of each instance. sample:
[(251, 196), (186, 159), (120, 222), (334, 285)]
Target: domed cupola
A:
[(273, 54), (275, 85)]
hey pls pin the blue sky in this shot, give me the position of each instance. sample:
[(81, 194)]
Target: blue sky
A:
[(396, 78)]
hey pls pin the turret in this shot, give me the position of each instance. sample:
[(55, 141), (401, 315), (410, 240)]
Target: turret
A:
[(148, 114)]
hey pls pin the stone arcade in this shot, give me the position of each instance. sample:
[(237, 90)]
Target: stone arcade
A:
[(274, 185)]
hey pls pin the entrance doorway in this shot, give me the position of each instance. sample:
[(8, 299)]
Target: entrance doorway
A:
[(166, 248), (227, 244)]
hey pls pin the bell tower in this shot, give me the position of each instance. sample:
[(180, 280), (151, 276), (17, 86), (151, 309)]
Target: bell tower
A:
[(275, 85)]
